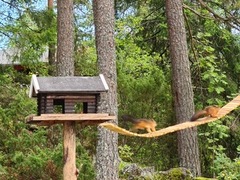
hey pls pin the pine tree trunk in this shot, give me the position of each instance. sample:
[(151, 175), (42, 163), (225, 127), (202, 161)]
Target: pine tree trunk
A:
[(65, 67), (107, 145), (51, 46), (65, 38), (182, 86)]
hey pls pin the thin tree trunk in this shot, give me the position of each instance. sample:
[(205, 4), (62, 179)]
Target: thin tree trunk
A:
[(50, 4), (182, 86), (107, 144), (51, 46)]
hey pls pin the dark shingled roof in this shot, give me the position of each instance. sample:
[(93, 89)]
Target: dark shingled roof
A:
[(68, 84)]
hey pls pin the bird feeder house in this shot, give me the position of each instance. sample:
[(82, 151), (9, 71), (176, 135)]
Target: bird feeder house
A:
[(68, 98)]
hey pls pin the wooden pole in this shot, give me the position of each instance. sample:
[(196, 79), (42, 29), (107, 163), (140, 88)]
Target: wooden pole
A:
[(69, 121), (70, 172)]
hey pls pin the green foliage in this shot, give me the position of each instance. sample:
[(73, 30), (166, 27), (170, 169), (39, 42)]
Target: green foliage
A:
[(214, 80), (29, 35), (214, 53), (84, 163), (227, 168), (215, 139), (37, 160), (86, 60), (125, 153), (23, 150), (122, 165), (142, 83)]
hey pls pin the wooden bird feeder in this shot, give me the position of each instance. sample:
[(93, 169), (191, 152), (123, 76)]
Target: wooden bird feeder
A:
[(68, 98)]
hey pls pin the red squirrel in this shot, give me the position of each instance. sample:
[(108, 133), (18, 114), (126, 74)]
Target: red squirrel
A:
[(148, 124), (211, 111)]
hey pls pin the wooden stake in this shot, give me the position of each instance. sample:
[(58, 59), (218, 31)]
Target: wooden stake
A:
[(70, 172)]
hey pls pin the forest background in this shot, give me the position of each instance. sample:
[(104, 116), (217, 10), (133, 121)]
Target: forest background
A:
[(144, 85)]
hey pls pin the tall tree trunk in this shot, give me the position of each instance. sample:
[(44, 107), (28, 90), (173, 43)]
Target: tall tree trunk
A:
[(50, 4), (65, 38), (65, 67), (107, 145), (51, 45), (182, 86)]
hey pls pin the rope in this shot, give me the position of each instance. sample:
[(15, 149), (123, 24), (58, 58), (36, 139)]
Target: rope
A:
[(188, 124)]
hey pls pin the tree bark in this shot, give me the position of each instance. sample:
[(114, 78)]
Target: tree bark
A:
[(50, 4), (51, 46), (65, 38), (182, 86), (65, 67), (107, 144)]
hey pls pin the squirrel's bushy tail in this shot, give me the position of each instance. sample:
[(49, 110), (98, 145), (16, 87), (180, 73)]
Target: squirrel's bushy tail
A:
[(127, 117), (198, 114)]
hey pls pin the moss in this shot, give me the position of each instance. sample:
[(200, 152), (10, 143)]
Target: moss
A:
[(174, 174), (203, 178)]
